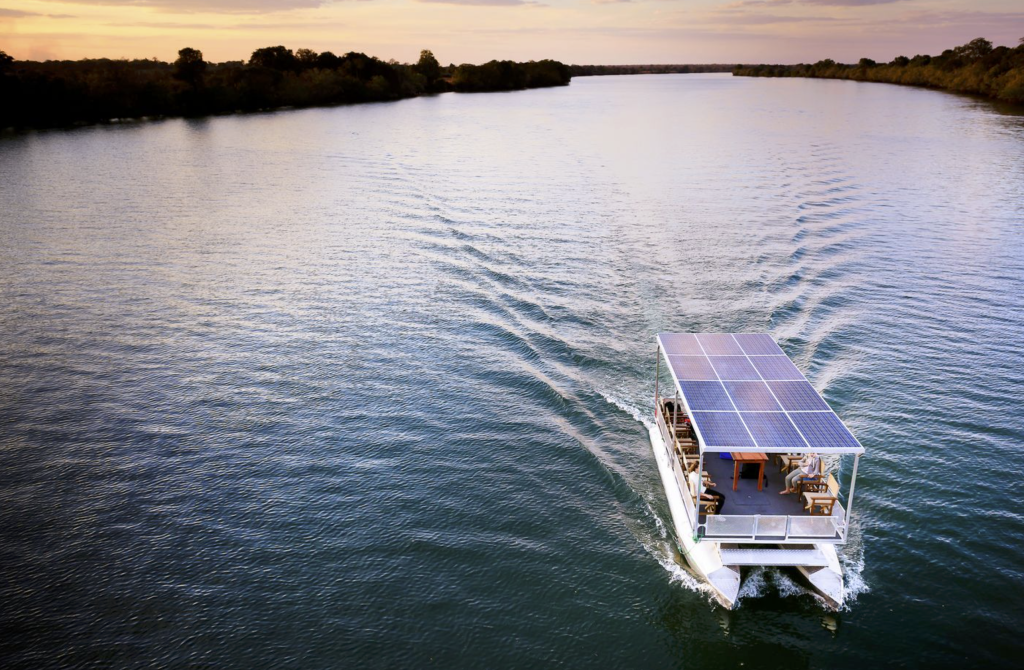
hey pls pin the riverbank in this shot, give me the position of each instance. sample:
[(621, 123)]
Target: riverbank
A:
[(601, 70), (62, 93), (976, 68)]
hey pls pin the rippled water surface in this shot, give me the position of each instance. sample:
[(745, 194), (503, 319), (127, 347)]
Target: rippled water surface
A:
[(367, 386)]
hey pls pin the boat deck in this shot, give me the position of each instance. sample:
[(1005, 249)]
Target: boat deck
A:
[(747, 499)]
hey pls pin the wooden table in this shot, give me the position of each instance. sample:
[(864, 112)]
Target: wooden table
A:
[(738, 459)]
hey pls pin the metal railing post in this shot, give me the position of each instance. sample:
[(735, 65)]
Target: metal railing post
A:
[(657, 378), (849, 498), (700, 484)]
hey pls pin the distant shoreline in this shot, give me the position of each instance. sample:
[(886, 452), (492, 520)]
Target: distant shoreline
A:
[(56, 94), (976, 68), (602, 70)]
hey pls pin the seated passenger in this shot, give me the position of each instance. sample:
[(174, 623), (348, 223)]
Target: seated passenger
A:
[(810, 466)]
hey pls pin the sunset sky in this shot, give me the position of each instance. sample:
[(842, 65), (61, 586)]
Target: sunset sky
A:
[(573, 31)]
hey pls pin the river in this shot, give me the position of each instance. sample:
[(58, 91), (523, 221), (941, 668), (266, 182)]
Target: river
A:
[(367, 386)]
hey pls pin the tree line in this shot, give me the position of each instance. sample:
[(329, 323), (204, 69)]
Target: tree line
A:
[(599, 70), (56, 93), (976, 67)]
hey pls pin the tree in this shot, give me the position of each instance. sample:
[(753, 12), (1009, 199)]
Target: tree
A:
[(5, 62), (274, 58), (190, 67), (867, 62), (428, 66), (328, 61), (974, 50), (307, 58)]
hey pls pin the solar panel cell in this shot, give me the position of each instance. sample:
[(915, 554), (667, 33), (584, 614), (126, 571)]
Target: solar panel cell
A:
[(776, 368), (752, 397), (681, 344), (754, 344), (692, 368), (798, 396), (722, 429), (719, 344), (773, 430), (734, 367), (824, 430), (706, 396)]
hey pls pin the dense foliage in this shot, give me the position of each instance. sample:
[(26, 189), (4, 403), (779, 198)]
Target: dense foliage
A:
[(51, 93), (506, 75), (597, 70), (975, 67)]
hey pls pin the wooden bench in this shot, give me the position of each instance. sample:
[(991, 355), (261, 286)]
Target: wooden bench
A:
[(690, 461), (811, 483), (708, 504), (820, 503), (788, 461)]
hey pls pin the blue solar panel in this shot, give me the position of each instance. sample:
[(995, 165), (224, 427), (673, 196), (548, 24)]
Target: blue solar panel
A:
[(776, 367), (734, 367), (744, 393), (773, 430), (719, 344), (751, 397), (758, 344), (798, 396), (823, 430), (681, 344), (722, 429), (692, 367), (706, 396)]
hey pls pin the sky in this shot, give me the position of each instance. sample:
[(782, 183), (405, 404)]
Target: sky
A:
[(475, 31)]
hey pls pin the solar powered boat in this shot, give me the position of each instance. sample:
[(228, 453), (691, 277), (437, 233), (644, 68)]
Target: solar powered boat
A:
[(733, 422)]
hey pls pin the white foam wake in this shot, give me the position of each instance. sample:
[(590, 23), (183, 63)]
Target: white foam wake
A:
[(851, 557), (628, 407)]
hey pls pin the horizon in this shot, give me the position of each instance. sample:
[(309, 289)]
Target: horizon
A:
[(585, 32)]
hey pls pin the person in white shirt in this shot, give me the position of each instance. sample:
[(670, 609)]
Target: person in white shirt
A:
[(810, 465)]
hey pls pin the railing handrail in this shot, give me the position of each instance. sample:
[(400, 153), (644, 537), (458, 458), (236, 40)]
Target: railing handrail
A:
[(837, 521)]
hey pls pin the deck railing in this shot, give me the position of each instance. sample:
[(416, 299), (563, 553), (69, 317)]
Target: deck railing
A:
[(775, 528)]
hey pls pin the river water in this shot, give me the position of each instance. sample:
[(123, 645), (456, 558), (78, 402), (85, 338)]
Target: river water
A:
[(367, 386)]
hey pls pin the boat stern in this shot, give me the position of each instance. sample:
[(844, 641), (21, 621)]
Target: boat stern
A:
[(726, 584)]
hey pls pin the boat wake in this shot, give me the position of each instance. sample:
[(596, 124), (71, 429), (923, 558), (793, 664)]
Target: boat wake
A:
[(629, 408), (663, 549), (851, 557), (658, 541)]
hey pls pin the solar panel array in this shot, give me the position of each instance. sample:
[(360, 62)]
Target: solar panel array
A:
[(744, 394)]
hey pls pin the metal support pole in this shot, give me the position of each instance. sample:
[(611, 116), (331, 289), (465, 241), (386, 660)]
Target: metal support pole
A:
[(849, 498), (700, 489), (657, 378), (672, 415)]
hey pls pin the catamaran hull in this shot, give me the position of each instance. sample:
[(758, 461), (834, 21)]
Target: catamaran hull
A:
[(702, 557), (705, 557), (827, 581)]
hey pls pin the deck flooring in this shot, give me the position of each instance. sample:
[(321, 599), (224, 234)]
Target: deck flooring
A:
[(747, 499)]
